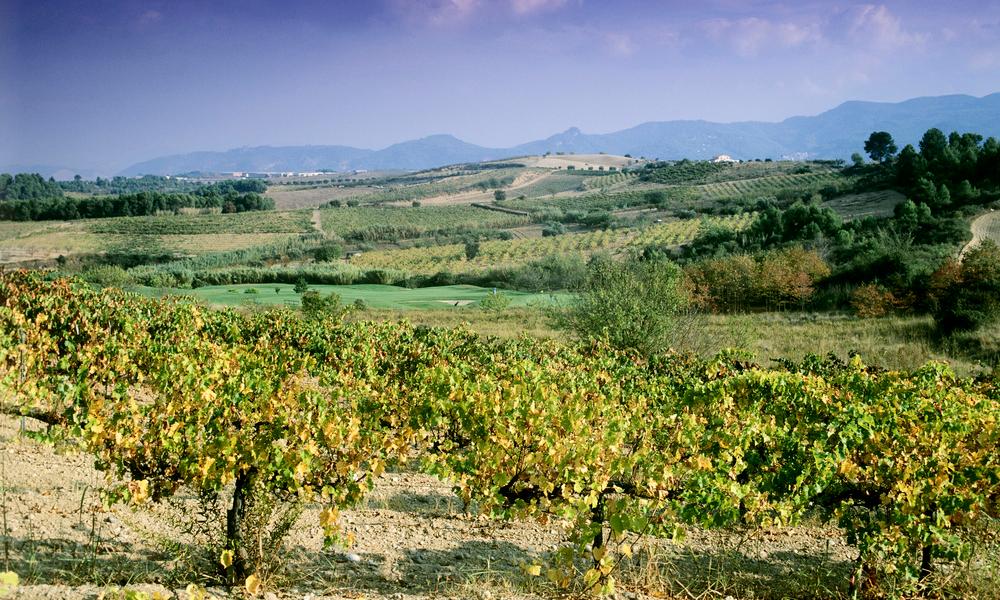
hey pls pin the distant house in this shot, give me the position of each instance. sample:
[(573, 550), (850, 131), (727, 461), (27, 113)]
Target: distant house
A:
[(724, 158)]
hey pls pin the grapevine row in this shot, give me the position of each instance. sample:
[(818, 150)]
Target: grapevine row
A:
[(170, 396)]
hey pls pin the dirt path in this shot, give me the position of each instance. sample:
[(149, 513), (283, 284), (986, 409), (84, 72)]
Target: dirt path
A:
[(985, 226), (414, 542)]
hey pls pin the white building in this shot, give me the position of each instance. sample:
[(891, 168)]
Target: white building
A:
[(724, 158)]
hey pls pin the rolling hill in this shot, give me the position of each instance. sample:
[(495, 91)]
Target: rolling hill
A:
[(836, 133)]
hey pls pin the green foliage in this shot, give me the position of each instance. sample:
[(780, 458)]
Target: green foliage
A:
[(497, 302), (328, 252), (880, 146), (301, 286), (471, 249), (966, 295), (319, 307), (285, 411), (27, 186), (629, 304)]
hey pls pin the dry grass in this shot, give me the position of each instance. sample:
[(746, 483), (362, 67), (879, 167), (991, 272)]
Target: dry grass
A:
[(890, 342)]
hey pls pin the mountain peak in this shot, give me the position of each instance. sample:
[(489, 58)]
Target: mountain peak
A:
[(835, 133)]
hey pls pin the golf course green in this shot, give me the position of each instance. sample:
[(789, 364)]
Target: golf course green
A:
[(374, 296)]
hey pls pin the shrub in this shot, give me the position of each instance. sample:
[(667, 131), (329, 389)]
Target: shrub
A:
[(872, 300), (966, 295), (317, 306), (495, 302), (107, 276), (553, 229), (630, 305), (471, 249), (328, 252)]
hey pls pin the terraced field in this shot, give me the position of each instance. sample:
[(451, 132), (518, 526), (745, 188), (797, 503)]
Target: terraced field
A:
[(519, 251)]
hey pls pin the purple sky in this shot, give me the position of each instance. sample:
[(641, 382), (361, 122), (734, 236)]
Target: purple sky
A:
[(101, 84)]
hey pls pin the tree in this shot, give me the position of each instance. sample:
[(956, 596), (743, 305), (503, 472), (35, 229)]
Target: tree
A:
[(857, 160), (880, 146), (910, 168), (471, 249), (631, 304), (301, 286), (499, 195), (655, 197)]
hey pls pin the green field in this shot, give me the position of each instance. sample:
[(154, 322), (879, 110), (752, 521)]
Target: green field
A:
[(374, 296)]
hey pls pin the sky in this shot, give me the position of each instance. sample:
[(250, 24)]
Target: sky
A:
[(100, 84)]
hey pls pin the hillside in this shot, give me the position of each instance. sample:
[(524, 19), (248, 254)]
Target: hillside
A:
[(833, 134)]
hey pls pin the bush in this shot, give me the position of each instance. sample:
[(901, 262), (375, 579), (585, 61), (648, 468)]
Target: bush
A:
[(496, 302), (553, 229), (872, 300), (316, 306), (630, 305), (328, 252), (966, 295), (107, 276), (471, 249)]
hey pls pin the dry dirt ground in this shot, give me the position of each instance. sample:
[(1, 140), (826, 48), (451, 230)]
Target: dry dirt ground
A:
[(414, 542), (985, 226), (580, 161)]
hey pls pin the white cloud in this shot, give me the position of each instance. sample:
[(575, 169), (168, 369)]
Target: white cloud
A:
[(875, 25), (524, 7), (751, 35)]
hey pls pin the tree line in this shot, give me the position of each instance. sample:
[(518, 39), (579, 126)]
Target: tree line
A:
[(29, 197)]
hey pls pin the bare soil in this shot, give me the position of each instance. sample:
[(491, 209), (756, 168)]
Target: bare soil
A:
[(414, 541)]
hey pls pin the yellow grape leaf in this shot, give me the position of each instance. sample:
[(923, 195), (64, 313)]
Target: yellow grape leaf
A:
[(8, 583), (252, 584), (532, 570), (226, 558), (328, 516), (194, 592), (599, 552)]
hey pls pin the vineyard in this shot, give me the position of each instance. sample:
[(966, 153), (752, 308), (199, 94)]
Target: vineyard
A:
[(487, 179), (258, 416), (502, 253), (270, 222), (371, 223), (765, 186)]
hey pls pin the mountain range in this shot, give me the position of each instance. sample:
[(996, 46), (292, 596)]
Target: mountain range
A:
[(833, 134)]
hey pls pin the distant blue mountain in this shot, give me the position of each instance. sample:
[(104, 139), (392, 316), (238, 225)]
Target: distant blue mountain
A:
[(836, 133)]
